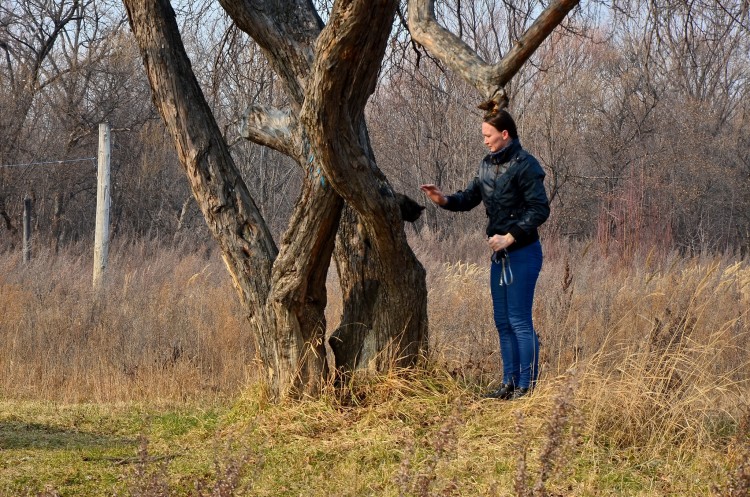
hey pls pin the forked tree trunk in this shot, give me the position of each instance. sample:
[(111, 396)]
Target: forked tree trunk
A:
[(385, 322), (372, 333), (330, 73), (283, 292)]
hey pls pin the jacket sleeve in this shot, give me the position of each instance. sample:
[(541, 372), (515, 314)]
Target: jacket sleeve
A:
[(535, 209), (467, 199)]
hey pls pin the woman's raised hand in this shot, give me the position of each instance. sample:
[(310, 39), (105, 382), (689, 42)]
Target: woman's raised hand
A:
[(434, 194)]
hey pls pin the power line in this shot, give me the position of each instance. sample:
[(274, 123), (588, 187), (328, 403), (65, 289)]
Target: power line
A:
[(46, 163)]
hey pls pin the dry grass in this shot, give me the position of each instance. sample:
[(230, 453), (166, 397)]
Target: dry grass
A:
[(646, 364), (591, 307), (167, 327)]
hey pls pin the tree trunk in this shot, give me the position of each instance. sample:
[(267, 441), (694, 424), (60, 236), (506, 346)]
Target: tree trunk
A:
[(57, 222), (375, 332), (283, 293), (6, 218), (385, 296), (283, 296), (353, 342), (295, 308), (372, 334)]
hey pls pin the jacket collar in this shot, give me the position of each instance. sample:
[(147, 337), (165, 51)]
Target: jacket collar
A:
[(504, 154)]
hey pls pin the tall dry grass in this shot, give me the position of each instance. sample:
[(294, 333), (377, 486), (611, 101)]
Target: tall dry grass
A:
[(168, 325), (667, 311)]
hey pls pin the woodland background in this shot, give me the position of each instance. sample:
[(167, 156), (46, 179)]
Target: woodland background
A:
[(638, 112)]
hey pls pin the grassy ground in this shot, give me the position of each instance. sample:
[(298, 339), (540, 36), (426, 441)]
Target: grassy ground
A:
[(149, 392), (420, 433)]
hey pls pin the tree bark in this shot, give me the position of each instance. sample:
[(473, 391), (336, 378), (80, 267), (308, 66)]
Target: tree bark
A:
[(385, 322), (282, 292), (296, 305), (371, 332)]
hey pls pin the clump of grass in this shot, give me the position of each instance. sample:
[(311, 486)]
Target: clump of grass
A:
[(150, 474), (462, 336), (657, 400), (520, 483), (49, 491), (561, 429), (420, 483), (151, 477), (738, 482)]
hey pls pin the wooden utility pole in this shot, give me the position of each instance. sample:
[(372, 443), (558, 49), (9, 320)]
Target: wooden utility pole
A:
[(101, 237), (27, 206)]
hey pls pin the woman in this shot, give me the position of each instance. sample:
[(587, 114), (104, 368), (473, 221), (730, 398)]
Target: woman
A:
[(510, 182)]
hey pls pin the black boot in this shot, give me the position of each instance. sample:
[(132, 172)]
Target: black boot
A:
[(503, 393), (519, 392)]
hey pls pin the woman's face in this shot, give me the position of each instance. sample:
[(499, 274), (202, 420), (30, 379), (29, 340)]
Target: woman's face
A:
[(494, 139)]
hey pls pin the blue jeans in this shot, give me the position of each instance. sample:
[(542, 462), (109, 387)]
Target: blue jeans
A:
[(512, 303)]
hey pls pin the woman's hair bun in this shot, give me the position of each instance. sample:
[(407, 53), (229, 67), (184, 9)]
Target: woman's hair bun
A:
[(493, 106)]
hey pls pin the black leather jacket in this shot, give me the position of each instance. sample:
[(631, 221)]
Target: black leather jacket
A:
[(510, 182)]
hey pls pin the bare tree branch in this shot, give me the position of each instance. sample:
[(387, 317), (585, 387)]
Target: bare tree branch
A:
[(271, 127), (286, 31), (462, 59)]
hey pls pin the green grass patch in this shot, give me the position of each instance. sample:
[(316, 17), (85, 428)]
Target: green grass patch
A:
[(421, 435)]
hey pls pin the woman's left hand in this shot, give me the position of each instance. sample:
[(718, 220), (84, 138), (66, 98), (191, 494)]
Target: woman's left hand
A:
[(500, 242)]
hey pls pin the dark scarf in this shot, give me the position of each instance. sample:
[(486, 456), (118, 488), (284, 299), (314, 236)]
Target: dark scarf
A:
[(506, 153)]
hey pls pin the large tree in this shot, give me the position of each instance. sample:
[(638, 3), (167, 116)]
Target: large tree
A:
[(329, 72)]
